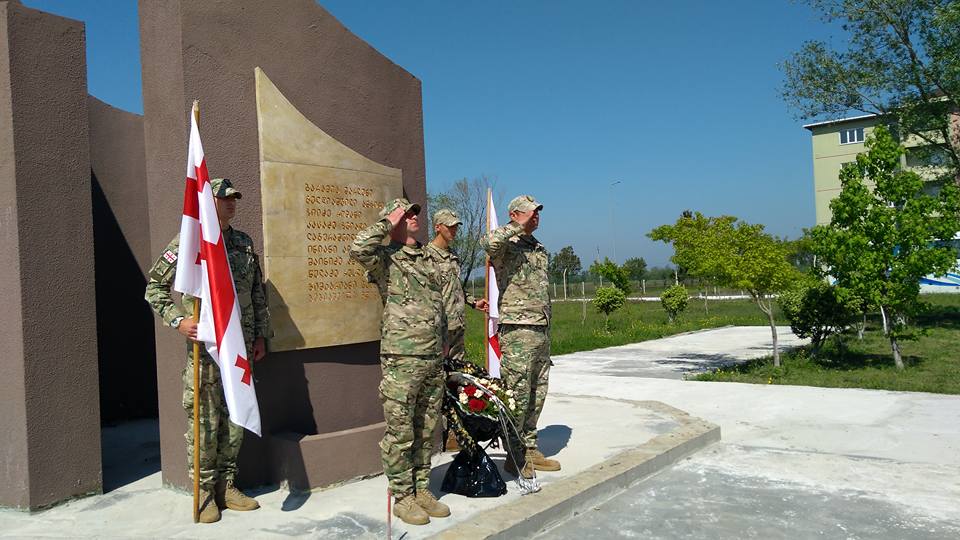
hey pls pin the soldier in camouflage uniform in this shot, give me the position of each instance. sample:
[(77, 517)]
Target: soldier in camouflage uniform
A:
[(219, 438), (411, 341), (446, 224), (520, 262)]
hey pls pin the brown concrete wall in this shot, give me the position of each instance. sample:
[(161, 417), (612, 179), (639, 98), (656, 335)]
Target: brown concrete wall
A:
[(122, 256), (207, 51), (50, 417), (14, 475)]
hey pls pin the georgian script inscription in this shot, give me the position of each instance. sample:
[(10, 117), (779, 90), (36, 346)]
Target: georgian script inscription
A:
[(333, 216), (317, 195)]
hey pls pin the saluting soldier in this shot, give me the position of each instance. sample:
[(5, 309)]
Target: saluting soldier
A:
[(411, 339), (219, 437), (520, 262)]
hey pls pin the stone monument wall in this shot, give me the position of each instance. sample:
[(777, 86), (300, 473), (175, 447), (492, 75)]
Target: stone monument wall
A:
[(122, 257), (321, 415), (49, 413)]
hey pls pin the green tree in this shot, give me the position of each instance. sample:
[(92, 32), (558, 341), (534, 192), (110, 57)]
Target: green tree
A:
[(817, 310), (734, 254), (657, 272), (882, 241), (674, 301), (800, 252), (636, 268), (565, 259), (900, 62), (612, 273), (608, 300)]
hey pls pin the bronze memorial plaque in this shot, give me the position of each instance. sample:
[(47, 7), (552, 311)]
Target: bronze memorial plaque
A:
[(317, 194)]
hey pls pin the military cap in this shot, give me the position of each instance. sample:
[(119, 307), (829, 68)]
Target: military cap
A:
[(524, 203), (399, 202), (223, 188), (447, 217)]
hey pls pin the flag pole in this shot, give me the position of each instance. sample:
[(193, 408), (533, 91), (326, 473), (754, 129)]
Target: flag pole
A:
[(196, 386), (486, 292)]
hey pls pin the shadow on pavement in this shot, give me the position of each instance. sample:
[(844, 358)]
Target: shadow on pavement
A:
[(553, 438), (131, 451)]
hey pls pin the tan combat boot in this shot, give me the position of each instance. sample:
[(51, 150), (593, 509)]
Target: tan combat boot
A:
[(209, 513), (228, 496), (540, 462), (525, 472), (407, 509), (431, 505)]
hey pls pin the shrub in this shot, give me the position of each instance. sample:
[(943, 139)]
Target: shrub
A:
[(608, 300), (674, 300), (817, 310)]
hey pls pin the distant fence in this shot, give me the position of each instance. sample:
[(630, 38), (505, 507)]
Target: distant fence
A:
[(639, 290)]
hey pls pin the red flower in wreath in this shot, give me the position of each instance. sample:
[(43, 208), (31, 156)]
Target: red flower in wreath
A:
[(477, 405), (469, 390)]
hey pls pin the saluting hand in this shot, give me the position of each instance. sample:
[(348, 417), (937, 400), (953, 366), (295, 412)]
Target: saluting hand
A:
[(188, 327), (528, 221), (396, 215)]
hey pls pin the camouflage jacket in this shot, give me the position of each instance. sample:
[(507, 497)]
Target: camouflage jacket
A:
[(455, 299), (245, 266), (520, 262), (414, 322)]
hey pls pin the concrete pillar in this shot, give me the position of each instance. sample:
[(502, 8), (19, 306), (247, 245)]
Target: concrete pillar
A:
[(49, 412)]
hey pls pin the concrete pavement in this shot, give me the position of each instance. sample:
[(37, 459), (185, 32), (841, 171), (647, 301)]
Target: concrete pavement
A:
[(794, 462), (581, 432), (675, 357)]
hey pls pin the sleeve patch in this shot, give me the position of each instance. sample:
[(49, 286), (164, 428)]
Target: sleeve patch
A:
[(170, 256)]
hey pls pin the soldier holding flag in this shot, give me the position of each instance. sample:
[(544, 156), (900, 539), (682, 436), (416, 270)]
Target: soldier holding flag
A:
[(219, 437)]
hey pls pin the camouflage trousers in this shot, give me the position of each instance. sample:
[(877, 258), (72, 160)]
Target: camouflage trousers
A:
[(456, 342), (219, 437), (525, 369), (411, 392)]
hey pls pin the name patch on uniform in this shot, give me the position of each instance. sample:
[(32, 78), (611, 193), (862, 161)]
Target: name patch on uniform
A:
[(170, 256)]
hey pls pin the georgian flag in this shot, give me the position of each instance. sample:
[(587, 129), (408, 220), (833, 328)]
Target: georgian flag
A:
[(203, 271), (493, 300)]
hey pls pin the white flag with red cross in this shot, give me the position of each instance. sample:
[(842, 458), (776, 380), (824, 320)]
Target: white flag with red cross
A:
[(203, 271), (493, 300)]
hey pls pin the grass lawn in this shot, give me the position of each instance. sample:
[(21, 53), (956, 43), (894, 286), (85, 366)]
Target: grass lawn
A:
[(932, 362), (637, 321)]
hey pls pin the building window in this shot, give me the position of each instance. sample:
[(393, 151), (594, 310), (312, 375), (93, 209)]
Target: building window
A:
[(850, 136)]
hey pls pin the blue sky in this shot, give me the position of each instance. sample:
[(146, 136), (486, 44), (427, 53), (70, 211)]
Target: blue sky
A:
[(677, 100)]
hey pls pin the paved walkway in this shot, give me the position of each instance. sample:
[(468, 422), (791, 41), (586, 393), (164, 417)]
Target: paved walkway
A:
[(794, 462), (677, 356), (579, 431)]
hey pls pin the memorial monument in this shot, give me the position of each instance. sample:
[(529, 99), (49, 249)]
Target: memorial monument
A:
[(315, 148), (91, 193), (317, 195)]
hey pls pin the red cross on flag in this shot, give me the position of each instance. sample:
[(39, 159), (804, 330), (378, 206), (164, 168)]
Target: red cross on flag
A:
[(493, 299), (203, 271)]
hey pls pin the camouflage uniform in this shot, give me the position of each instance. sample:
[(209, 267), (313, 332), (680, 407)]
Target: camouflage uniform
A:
[(520, 262), (219, 437), (411, 336), (455, 299)]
